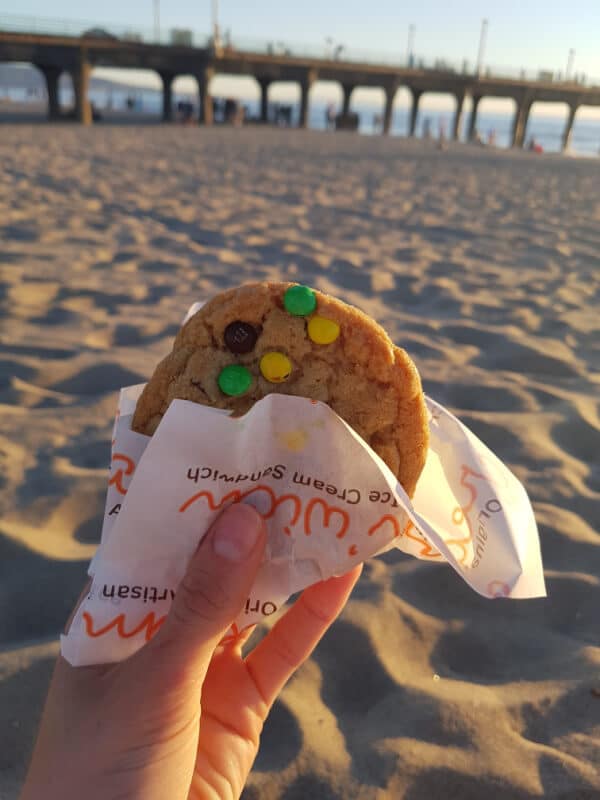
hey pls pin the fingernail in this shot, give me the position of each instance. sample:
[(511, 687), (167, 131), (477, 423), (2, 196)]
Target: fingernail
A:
[(236, 532)]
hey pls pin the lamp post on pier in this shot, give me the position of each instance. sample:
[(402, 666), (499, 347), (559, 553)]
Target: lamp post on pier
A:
[(570, 62), (482, 41), (157, 21), (215, 25), (410, 47)]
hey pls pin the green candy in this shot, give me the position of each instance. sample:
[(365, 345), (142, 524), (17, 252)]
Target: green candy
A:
[(300, 300), (234, 380)]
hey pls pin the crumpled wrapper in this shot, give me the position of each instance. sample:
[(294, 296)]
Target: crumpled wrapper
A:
[(328, 500)]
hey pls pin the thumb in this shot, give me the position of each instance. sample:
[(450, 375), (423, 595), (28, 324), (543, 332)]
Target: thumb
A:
[(214, 588)]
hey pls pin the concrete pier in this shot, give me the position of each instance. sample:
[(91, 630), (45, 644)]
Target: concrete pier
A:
[(55, 54)]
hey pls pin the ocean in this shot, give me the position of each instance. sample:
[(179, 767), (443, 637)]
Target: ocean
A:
[(546, 130)]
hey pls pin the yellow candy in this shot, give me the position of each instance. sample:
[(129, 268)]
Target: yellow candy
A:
[(275, 367), (323, 331)]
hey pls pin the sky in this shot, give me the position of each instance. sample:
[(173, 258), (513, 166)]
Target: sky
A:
[(528, 34)]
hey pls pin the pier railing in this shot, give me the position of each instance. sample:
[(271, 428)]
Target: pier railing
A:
[(328, 51)]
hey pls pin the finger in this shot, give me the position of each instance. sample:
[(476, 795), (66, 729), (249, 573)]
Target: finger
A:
[(293, 638), (214, 588)]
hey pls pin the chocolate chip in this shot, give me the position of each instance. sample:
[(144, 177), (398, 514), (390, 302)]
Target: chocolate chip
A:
[(240, 337)]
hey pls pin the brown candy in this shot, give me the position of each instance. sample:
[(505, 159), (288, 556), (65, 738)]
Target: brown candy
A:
[(240, 337)]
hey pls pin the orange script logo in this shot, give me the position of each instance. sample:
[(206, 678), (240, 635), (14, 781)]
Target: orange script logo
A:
[(117, 479)]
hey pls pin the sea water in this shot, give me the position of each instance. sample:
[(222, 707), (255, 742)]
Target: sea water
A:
[(547, 131)]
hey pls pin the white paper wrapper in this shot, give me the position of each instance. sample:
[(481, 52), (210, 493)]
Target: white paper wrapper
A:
[(328, 500)]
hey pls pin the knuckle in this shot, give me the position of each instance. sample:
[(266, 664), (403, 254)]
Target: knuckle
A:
[(201, 595), (314, 611), (286, 651)]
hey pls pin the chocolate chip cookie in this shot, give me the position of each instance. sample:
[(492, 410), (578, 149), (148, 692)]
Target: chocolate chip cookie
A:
[(282, 337)]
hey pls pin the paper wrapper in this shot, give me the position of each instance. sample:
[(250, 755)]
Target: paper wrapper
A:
[(328, 500)]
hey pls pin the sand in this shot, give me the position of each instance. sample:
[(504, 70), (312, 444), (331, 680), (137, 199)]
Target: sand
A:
[(483, 264)]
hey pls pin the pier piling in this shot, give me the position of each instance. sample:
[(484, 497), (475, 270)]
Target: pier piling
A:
[(473, 118), (305, 85), (390, 93), (205, 115), (566, 137), (520, 121), (264, 84), (347, 88), (167, 95), (80, 75), (51, 76), (460, 99), (414, 111)]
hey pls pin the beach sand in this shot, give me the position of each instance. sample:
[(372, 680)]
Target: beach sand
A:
[(484, 265)]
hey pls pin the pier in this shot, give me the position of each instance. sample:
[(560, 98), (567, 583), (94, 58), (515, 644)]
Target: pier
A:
[(55, 53)]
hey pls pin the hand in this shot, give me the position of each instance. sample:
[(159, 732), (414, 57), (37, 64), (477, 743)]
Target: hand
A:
[(182, 717)]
